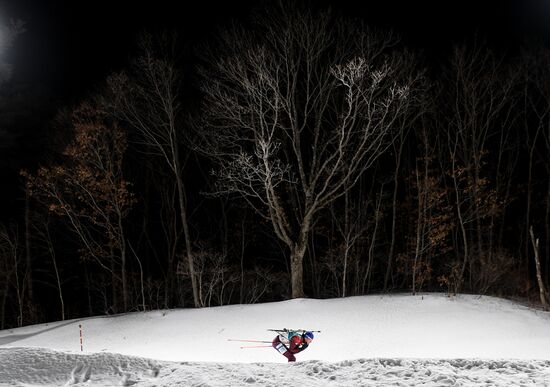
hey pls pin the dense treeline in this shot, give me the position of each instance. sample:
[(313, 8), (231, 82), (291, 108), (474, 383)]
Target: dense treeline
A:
[(303, 155)]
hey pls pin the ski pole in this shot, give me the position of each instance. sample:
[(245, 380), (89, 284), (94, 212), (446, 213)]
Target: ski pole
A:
[(250, 341), (255, 346)]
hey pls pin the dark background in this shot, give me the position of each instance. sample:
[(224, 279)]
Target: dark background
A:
[(69, 47)]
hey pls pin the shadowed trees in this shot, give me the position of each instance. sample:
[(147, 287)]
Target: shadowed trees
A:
[(477, 88), (88, 189), (148, 99), (369, 167)]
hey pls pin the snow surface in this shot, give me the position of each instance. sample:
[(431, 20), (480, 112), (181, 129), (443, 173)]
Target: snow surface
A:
[(429, 340)]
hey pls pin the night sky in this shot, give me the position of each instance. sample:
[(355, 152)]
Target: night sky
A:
[(71, 46)]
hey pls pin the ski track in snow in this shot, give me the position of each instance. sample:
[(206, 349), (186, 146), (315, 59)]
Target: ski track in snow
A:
[(43, 367)]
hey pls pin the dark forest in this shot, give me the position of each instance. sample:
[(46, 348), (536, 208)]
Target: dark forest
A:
[(295, 151)]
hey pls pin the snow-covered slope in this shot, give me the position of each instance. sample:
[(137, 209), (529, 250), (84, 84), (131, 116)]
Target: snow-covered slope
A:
[(363, 340)]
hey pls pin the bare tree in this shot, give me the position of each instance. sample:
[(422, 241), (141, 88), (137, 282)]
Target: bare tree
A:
[(478, 91), (169, 214), (89, 191), (536, 68), (398, 145), (351, 231), (433, 224), (258, 282), (217, 279), (148, 99), (543, 293), (10, 258), (43, 238), (378, 215), (294, 112)]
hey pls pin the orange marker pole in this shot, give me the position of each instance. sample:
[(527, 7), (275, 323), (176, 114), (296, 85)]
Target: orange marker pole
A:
[(81, 346)]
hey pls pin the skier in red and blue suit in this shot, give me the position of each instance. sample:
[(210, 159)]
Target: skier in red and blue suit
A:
[(296, 343)]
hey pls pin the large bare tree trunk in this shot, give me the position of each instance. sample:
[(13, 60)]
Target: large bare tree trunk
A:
[(297, 270), (297, 254)]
